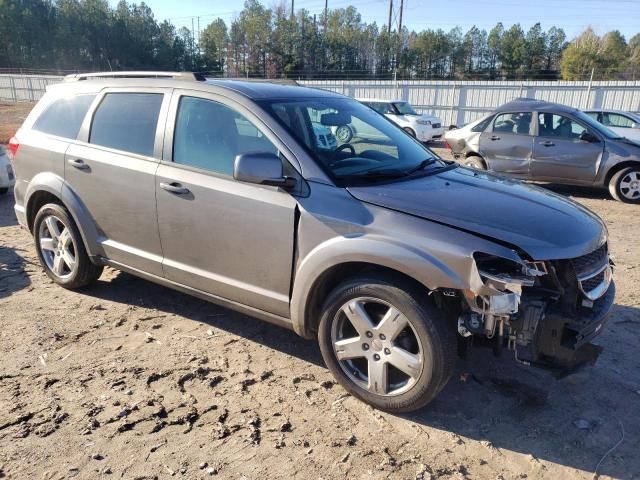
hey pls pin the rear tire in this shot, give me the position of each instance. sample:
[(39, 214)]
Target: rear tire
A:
[(61, 249), (624, 185), (397, 366), (475, 162)]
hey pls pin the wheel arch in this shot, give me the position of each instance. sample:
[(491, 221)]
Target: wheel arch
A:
[(331, 264), (617, 167), (50, 188)]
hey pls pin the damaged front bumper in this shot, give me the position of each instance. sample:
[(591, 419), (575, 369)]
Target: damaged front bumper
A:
[(561, 342), (547, 313)]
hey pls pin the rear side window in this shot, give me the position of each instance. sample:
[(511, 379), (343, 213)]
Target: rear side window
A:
[(482, 125), (127, 121), (64, 116), (518, 123)]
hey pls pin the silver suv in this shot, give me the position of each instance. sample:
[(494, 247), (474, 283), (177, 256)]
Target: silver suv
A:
[(392, 258)]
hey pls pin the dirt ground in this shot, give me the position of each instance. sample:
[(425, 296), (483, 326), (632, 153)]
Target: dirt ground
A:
[(127, 379), (11, 117)]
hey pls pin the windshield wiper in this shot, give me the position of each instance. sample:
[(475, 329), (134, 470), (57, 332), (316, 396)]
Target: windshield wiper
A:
[(373, 174), (421, 166)]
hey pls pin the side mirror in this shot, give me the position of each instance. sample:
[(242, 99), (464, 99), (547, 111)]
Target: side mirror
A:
[(635, 125), (588, 137), (262, 168)]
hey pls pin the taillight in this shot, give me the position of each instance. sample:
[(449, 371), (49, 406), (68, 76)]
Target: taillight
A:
[(446, 145), (13, 147)]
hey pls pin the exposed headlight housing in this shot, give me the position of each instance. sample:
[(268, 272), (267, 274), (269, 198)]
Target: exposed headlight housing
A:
[(423, 122), (505, 274)]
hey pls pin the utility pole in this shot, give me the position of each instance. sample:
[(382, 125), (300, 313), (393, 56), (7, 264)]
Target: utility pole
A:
[(390, 14), (326, 13), (293, 14), (400, 21)]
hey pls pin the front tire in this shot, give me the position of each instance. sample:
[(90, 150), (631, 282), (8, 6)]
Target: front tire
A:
[(410, 131), (624, 186), (386, 343), (61, 250)]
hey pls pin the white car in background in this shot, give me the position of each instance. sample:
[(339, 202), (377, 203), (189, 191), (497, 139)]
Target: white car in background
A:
[(625, 124), (425, 128), (7, 179)]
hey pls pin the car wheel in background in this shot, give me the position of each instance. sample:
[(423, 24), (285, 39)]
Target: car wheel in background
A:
[(474, 162), (61, 250), (344, 134), (386, 343), (624, 186), (3, 191), (410, 131)]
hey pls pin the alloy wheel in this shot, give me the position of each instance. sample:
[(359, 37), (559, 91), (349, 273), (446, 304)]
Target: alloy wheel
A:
[(376, 346), (57, 247), (630, 185)]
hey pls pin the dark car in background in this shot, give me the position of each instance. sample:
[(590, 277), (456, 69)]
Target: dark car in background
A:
[(538, 140)]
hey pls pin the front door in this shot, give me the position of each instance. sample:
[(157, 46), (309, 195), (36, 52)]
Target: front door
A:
[(224, 237), (506, 146), (560, 155), (112, 170)]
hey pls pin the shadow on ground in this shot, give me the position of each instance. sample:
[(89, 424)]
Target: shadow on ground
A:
[(13, 277), (495, 400)]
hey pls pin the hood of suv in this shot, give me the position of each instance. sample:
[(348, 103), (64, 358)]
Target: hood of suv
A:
[(545, 225)]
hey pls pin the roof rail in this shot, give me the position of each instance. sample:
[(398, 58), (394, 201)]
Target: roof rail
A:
[(175, 75)]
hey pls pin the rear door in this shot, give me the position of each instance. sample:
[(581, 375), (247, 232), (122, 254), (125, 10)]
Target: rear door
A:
[(224, 237), (507, 144), (560, 155), (112, 167)]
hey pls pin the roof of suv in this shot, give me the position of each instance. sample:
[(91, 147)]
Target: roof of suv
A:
[(252, 89), (531, 104)]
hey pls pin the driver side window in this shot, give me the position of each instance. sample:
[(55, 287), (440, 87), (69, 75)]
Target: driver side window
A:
[(558, 126)]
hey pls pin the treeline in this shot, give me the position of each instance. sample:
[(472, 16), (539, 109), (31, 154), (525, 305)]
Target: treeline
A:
[(83, 35)]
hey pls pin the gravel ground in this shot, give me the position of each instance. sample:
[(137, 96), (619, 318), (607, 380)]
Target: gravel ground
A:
[(127, 379)]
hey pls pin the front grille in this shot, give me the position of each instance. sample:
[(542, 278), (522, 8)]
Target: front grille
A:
[(591, 261), (436, 125)]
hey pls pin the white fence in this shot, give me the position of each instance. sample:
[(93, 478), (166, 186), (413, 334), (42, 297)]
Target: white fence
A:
[(455, 102), (24, 88), (459, 102)]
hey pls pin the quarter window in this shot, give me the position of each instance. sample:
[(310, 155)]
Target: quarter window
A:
[(64, 116), (210, 135), (518, 123), (616, 120), (553, 125), (127, 121)]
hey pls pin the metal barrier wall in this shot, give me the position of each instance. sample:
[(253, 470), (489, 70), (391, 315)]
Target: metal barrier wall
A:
[(25, 88), (455, 102), (460, 102)]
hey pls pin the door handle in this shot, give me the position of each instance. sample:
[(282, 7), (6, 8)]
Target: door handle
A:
[(77, 163), (547, 143), (494, 137), (174, 187)]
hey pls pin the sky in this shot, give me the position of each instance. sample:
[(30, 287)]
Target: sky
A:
[(572, 15)]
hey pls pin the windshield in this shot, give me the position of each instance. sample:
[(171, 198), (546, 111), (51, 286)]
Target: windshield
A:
[(595, 125), (365, 146), (404, 108)]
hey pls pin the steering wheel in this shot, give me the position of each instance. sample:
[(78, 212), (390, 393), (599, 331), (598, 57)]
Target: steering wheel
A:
[(344, 146)]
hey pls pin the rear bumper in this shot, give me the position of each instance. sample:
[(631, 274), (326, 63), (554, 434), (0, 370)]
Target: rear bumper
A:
[(20, 215), (563, 343)]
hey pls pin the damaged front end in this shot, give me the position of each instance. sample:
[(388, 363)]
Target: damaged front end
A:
[(546, 312)]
